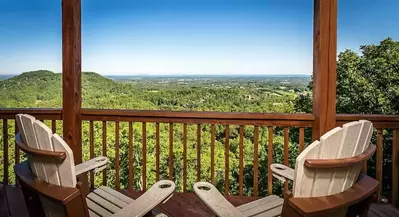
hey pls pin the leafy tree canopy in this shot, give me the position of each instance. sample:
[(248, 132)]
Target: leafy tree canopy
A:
[(367, 83)]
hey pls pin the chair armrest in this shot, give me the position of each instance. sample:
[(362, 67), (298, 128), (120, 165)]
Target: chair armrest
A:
[(52, 192), (215, 200), (159, 192), (341, 162), (282, 172), (42, 155), (97, 164)]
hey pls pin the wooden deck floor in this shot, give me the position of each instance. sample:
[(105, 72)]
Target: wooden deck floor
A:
[(182, 204)]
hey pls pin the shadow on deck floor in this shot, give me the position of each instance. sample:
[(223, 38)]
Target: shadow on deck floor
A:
[(12, 204)]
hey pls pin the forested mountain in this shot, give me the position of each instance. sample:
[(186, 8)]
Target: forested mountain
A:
[(42, 89)]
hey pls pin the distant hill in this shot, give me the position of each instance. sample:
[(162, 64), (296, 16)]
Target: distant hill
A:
[(42, 89), (3, 77)]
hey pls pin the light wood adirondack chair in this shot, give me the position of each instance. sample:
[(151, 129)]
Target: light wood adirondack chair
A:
[(326, 180), (50, 177)]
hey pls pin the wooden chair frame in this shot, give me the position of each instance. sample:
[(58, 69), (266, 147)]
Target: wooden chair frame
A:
[(353, 202), (72, 199)]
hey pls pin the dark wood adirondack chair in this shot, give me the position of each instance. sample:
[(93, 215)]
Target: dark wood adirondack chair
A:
[(49, 184)]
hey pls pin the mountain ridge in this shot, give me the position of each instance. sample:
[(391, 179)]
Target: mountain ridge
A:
[(43, 88)]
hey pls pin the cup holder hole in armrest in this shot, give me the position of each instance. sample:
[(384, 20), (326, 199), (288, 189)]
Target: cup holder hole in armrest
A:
[(279, 167), (100, 160), (165, 186), (204, 188)]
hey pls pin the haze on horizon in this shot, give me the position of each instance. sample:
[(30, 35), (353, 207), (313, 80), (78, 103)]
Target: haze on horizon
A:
[(180, 37)]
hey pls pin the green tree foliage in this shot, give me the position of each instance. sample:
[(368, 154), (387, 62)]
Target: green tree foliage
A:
[(367, 83)]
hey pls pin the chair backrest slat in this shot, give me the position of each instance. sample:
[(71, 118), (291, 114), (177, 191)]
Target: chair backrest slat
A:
[(67, 168), (303, 177), (363, 143), (350, 140), (43, 136), (29, 136)]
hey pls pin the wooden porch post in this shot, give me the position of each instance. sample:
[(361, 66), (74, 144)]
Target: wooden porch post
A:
[(71, 76), (324, 66)]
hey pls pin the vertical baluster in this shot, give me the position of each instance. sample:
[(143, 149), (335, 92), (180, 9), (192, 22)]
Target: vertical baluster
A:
[(5, 151), (241, 161), (54, 126), (184, 157), (91, 131), (144, 137), (395, 165), (286, 153), (226, 159), (213, 154), (256, 164), (170, 151), (198, 152), (117, 181), (157, 151), (379, 162), (105, 151), (16, 149), (269, 162), (301, 139), (130, 183)]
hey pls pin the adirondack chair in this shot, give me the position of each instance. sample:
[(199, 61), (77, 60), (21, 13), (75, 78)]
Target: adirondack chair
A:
[(49, 177), (326, 180)]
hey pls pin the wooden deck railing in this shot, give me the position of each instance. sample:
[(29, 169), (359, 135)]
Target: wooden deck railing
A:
[(198, 119), (182, 127)]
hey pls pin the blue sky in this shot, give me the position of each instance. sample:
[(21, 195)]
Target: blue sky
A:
[(185, 36)]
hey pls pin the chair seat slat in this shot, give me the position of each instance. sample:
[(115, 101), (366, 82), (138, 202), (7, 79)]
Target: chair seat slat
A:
[(97, 209), (93, 214), (120, 203), (268, 206), (104, 203), (116, 194)]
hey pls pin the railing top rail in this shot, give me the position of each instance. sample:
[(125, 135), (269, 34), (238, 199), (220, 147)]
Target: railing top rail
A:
[(41, 113), (201, 117), (379, 121), (30, 110), (370, 117), (198, 114)]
